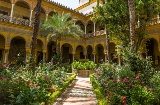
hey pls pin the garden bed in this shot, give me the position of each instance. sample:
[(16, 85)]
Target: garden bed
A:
[(97, 90), (60, 90)]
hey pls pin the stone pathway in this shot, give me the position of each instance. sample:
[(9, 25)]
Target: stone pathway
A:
[(79, 93)]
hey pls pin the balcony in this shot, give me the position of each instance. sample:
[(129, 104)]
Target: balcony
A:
[(94, 34), (15, 20)]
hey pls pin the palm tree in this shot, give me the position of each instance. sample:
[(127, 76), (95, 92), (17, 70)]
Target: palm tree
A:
[(131, 6), (35, 33), (59, 26)]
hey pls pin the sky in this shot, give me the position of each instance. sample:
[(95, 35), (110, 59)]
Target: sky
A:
[(69, 3)]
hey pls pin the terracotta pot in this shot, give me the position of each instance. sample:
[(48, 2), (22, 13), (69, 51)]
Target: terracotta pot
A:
[(83, 73), (91, 72)]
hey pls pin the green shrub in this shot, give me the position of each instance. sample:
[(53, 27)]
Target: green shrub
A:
[(100, 97), (23, 87), (88, 65)]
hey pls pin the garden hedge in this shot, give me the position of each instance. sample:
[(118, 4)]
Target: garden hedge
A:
[(100, 97), (59, 91)]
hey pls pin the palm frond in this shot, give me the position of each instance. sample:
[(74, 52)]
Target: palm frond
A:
[(59, 26)]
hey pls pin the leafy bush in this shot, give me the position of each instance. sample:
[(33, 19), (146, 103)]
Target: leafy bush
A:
[(88, 65), (133, 83), (23, 87)]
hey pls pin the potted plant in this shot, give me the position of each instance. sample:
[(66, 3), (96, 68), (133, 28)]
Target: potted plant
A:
[(84, 69)]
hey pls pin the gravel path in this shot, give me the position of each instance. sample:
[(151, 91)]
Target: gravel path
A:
[(79, 93)]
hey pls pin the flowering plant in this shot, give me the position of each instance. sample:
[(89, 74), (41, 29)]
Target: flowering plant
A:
[(88, 65), (24, 87), (121, 85)]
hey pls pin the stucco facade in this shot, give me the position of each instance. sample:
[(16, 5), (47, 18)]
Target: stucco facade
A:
[(16, 21)]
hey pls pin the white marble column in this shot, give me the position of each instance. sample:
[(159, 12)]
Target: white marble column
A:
[(6, 56), (158, 18), (94, 23), (105, 59), (119, 60), (85, 29), (94, 58), (30, 18), (46, 17), (27, 54), (11, 15), (44, 56)]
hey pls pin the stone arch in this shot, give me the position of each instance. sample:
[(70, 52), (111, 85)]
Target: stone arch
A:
[(17, 51), (79, 52), (151, 50), (39, 50), (99, 53), (89, 52), (90, 27), (25, 1), (51, 13), (17, 36), (51, 50), (67, 50), (81, 24), (113, 51), (2, 47), (22, 5)]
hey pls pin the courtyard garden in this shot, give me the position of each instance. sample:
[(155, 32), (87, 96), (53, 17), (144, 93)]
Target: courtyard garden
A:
[(135, 82), (19, 86)]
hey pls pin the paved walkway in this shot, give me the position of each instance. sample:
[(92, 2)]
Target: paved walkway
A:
[(79, 93)]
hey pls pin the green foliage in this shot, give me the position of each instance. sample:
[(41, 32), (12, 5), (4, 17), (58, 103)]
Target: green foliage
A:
[(57, 93), (59, 26), (100, 97), (124, 86), (23, 87), (137, 64), (115, 15), (133, 83), (88, 65)]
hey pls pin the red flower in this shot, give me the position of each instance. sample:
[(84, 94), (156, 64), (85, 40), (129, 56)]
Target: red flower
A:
[(108, 95), (137, 77), (150, 89), (44, 76), (142, 83), (19, 70), (51, 90), (30, 83), (124, 99), (114, 81)]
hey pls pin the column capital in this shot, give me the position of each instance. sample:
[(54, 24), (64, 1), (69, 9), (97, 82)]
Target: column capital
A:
[(105, 53), (73, 53), (44, 51), (94, 53), (6, 48)]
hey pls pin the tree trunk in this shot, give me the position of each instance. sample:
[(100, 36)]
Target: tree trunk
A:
[(131, 6), (108, 46), (34, 37)]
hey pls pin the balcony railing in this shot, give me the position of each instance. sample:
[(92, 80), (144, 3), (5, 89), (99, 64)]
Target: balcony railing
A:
[(24, 22), (97, 33), (18, 21)]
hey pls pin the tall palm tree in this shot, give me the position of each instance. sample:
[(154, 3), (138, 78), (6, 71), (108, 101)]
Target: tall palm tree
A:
[(59, 26), (131, 5), (35, 33)]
